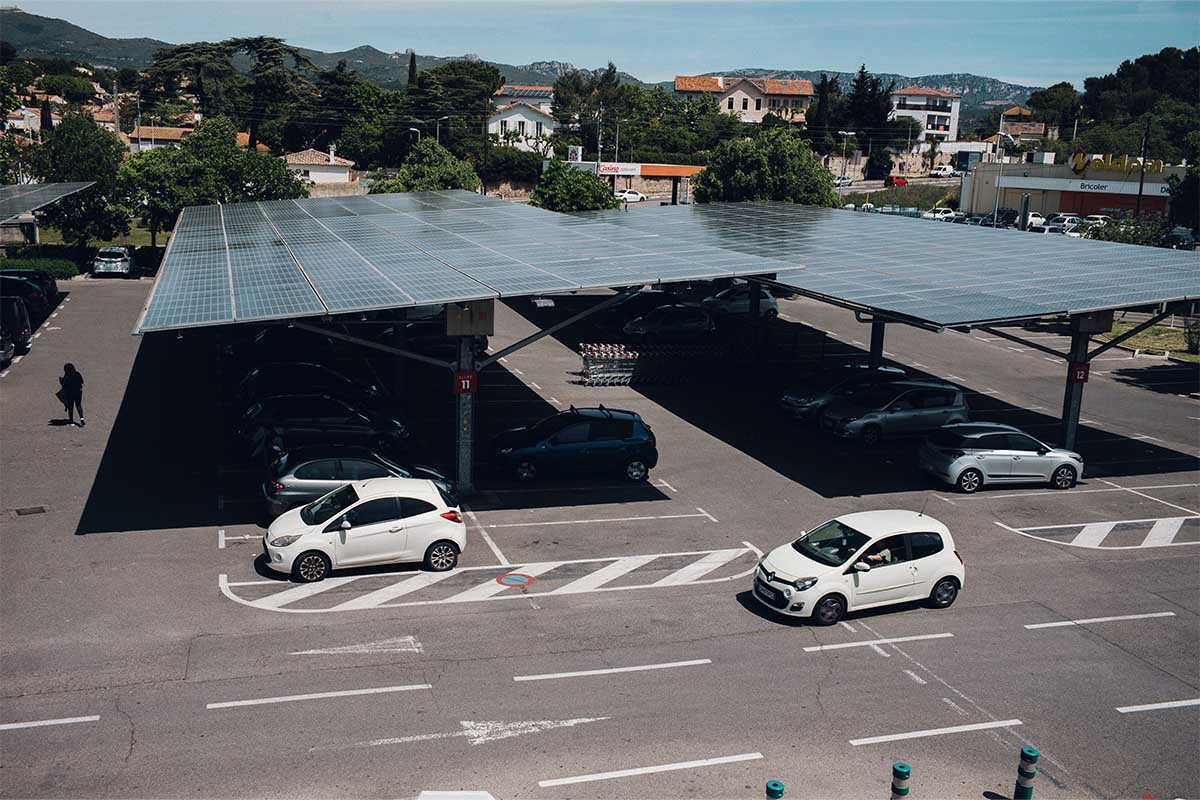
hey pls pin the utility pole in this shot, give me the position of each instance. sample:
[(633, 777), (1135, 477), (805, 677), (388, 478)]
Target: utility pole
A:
[(617, 146), (1142, 174), (999, 170), (116, 107), (599, 134), (139, 121), (1075, 129), (845, 137)]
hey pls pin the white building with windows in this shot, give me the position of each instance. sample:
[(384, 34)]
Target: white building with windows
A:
[(321, 167), (751, 99), (522, 125), (935, 111)]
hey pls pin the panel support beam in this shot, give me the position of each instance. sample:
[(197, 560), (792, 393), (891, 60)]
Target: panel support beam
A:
[(1032, 345), (1134, 331), (383, 348), (465, 419), (528, 340), (878, 328)]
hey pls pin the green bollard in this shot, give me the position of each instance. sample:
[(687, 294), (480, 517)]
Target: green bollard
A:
[(900, 775), (774, 789), (1026, 772)]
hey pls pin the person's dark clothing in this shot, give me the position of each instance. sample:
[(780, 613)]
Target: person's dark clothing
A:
[(74, 403), (72, 394)]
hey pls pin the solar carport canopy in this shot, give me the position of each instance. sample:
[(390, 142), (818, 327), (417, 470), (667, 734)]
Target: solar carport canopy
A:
[(938, 273), (287, 259), (22, 198)]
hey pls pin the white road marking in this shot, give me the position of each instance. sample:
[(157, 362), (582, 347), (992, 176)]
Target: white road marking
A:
[(604, 575), (1159, 706), (847, 626), (667, 486), (1066, 623), (221, 539), (1073, 492), (475, 732), (978, 726), (518, 371), (291, 698), (785, 316), (597, 521), (1144, 436), (556, 401), (874, 642), (626, 773), (487, 539), (1163, 532), (503, 360), (37, 335), (705, 513), (945, 499), (878, 649), (17, 359), (989, 391), (1093, 534), (1155, 499), (589, 672), (1018, 349), (302, 592), (918, 365), (42, 723), (1024, 532), (485, 590), (915, 677), (4, 373), (698, 569), (55, 314), (399, 644), (390, 593), (955, 377), (962, 712), (534, 385)]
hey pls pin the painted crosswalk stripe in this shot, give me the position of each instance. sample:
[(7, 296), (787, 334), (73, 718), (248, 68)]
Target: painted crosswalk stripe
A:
[(1160, 706), (303, 591), (1163, 532), (492, 587), (604, 575), (877, 642), (1092, 535), (387, 593), (699, 568), (42, 723)]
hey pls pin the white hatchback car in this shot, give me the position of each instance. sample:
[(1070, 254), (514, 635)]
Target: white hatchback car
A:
[(379, 521), (629, 195), (862, 560)]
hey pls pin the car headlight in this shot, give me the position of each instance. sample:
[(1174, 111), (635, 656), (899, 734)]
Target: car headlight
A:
[(1077, 458), (504, 451), (802, 584), (284, 541)]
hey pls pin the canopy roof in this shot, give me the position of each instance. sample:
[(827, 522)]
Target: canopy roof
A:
[(25, 197)]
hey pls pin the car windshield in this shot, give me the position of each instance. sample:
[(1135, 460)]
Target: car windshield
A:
[(832, 543), (337, 501)]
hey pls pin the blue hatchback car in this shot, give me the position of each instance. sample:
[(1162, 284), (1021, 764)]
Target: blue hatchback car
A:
[(579, 441)]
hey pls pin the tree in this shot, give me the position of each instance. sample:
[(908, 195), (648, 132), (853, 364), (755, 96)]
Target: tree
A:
[(159, 183), (238, 174), (933, 151), (566, 189), (275, 78), (591, 105), (868, 104), (825, 106), (429, 167), (208, 68), (1150, 234), (79, 150), (322, 115), (15, 160), (1185, 194), (1056, 105), (460, 90), (879, 164), (412, 68), (510, 164), (775, 165), (47, 121), (7, 52), (72, 88)]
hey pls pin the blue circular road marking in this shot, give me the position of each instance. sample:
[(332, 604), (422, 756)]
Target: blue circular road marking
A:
[(515, 579)]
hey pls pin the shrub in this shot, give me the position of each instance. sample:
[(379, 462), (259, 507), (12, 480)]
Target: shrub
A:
[(54, 267), (1191, 332)]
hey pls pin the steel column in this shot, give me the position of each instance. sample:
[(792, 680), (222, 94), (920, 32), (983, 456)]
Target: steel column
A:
[(465, 417), (1073, 395), (755, 300), (878, 327), (675, 191)]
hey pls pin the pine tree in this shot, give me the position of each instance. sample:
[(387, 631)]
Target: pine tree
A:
[(47, 118), (412, 68)]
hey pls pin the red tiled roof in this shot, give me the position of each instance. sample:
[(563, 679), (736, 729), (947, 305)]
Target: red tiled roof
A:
[(156, 133), (314, 158), (713, 84), (502, 89), (1018, 111), (522, 103), (918, 90), (697, 83), (791, 87), (1025, 128)]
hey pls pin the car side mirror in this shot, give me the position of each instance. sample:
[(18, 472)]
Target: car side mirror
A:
[(1042, 451), (862, 566), (345, 525)]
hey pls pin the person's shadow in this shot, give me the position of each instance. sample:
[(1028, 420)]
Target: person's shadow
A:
[(59, 423)]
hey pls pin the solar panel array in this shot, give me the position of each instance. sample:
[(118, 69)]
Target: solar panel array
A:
[(22, 198), (510, 91), (324, 256), (936, 272)]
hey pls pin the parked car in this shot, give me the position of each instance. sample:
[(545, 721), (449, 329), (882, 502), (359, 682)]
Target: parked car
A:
[(809, 399), (842, 180), (672, 324), (381, 521), (1074, 231), (303, 474), (1059, 229), (112, 261), (1065, 220), (862, 560), (315, 419), (8, 347), (276, 343), (1180, 238), (975, 454), (944, 171), (898, 408), (629, 195), (735, 301), (939, 213), (636, 304), (1097, 219), (48, 284), (579, 440), (1034, 218), (975, 220), (895, 180), (28, 291), (14, 317), (285, 378)]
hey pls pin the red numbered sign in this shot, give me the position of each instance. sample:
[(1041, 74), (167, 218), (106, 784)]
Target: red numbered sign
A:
[(1079, 371), (466, 382)]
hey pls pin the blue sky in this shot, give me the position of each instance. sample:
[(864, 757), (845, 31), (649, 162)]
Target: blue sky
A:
[(1034, 43)]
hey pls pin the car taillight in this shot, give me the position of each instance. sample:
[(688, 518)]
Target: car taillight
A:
[(954, 453), (275, 486), (453, 516), (653, 442), (956, 555)]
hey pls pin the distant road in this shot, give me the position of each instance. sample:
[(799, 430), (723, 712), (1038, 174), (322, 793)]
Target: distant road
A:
[(875, 186)]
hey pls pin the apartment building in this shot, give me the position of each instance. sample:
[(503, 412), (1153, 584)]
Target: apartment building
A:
[(935, 111), (751, 99)]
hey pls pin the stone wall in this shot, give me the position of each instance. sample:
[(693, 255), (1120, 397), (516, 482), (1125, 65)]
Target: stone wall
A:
[(336, 189)]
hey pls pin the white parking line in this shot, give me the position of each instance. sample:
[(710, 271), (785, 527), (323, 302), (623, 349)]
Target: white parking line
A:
[(598, 521), (626, 773), (534, 385), (921, 681), (978, 726), (700, 568), (556, 401), (1148, 497), (666, 485), (1066, 623), (876, 642), (1159, 706), (389, 593), (588, 672), (847, 626), (41, 723), (487, 539), (1073, 492), (291, 698)]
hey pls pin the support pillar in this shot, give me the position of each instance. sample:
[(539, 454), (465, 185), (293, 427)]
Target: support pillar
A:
[(465, 419), (675, 191), (878, 327), (1073, 396), (755, 301)]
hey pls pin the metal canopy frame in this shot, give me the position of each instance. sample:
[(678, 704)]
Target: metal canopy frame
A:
[(23, 198)]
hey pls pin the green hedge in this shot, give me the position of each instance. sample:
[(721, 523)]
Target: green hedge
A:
[(55, 267)]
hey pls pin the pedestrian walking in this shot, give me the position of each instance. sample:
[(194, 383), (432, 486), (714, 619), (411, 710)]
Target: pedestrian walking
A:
[(71, 393)]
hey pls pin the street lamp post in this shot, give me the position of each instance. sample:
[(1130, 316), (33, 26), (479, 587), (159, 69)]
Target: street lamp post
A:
[(1000, 134), (845, 138), (418, 133), (438, 129)]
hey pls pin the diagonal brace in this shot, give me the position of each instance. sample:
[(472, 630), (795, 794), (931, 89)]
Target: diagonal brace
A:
[(1134, 331), (1026, 342), (396, 351), (528, 340)]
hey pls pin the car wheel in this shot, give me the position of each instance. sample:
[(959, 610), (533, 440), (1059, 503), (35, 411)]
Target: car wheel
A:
[(441, 556), (636, 470), (944, 593), (311, 567), (969, 481), (526, 470), (870, 436), (770, 314), (828, 610), (1063, 478)]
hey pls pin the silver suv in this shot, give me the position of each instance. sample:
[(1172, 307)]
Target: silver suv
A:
[(969, 456), (899, 408), (112, 261)]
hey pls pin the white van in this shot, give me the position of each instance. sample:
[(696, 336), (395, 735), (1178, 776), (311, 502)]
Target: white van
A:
[(944, 171)]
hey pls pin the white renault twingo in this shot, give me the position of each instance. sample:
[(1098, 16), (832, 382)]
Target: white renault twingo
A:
[(863, 560)]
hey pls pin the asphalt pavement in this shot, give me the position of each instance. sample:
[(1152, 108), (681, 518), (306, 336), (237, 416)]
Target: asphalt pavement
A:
[(146, 654)]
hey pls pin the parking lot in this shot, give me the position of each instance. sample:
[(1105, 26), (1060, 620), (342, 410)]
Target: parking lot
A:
[(599, 637)]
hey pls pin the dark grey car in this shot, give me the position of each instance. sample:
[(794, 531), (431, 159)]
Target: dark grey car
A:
[(302, 475), (672, 324), (900, 408)]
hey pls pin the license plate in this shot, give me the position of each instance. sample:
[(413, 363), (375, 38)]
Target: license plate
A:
[(766, 592)]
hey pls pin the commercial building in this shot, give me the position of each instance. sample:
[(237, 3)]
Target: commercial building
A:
[(1086, 186), (751, 99), (662, 180), (935, 111)]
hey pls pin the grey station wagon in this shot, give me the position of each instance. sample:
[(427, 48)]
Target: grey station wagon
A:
[(899, 408)]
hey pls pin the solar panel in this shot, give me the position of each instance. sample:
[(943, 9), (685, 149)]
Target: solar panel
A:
[(23, 198)]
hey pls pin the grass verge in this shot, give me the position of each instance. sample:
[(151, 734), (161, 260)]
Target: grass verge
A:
[(1155, 339)]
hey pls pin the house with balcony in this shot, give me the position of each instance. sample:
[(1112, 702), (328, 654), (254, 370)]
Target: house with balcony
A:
[(523, 125), (935, 111), (751, 99)]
